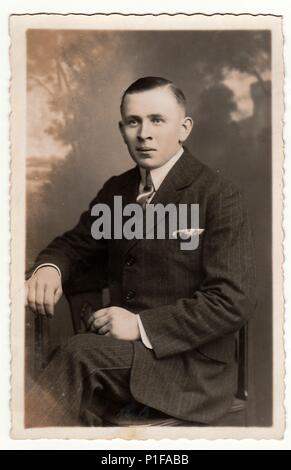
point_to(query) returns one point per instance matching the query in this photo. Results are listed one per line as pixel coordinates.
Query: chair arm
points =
(82, 305)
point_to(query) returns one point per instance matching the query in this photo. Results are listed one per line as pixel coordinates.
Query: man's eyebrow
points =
(156, 115)
(139, 118)
(133, 116)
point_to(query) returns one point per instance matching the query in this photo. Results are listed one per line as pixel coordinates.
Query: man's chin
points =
(148, 163)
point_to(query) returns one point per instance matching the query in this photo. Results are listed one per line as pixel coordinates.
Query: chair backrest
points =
(242, 360)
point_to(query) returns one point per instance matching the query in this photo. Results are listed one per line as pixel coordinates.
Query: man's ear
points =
(186, 128)
(121, 129)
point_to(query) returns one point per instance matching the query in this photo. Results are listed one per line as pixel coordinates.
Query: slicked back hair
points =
(150, 83)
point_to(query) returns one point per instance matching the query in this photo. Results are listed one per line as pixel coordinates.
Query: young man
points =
(167, 339)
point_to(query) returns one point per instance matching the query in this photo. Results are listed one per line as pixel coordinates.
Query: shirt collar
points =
(159, 174)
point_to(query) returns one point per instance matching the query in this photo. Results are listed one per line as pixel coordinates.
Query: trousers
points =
(87, 374)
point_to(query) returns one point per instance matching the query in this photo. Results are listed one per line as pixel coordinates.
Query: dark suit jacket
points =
(191, 303)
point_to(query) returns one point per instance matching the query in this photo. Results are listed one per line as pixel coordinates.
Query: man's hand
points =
(115, 322)
(43, 290)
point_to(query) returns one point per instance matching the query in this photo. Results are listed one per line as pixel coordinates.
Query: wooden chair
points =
(134, 413)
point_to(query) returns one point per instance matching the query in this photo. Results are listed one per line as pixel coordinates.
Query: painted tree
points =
(81, 73)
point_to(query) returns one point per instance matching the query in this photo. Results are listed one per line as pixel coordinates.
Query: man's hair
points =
(149, 83)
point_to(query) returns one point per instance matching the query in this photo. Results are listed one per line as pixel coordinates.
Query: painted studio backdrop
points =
(74, 84)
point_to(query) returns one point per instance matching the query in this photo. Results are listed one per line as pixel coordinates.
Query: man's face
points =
(153, 126)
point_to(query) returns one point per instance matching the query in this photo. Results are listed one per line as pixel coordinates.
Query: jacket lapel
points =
(129, 190)
(179, 177)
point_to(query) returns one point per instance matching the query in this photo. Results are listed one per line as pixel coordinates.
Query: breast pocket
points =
(189, 246)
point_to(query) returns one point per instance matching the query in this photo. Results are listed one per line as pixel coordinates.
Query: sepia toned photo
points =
(146, 209)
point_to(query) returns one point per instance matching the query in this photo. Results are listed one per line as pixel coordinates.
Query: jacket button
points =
(130, 261)
(130, 295)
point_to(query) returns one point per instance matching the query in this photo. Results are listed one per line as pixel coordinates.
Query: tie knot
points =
(148, 181)
(148, 190)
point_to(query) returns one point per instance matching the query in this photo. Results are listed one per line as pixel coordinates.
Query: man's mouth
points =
(145, 149)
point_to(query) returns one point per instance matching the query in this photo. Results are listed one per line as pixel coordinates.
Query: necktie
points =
(147, 191)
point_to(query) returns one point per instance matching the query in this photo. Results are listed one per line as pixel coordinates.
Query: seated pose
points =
(167, 337)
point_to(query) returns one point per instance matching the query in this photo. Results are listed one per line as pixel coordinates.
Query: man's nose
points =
(144, 132)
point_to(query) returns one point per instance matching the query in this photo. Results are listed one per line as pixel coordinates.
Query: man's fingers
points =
(31, 297)
(26, 294)
(39, 298)
(100, 322)
(100, 317)
(43, 290)
(58, 294)
(49, 301)
(101, 313)
(105, 329)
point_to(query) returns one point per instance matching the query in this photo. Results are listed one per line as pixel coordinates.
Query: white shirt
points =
(158, 175)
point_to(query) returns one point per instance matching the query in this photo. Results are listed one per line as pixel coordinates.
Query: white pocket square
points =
(187, 232)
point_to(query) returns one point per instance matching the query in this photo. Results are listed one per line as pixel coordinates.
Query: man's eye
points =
(157, 120)
(132, 122)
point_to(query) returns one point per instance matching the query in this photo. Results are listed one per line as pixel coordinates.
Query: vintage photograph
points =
(146, 226)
